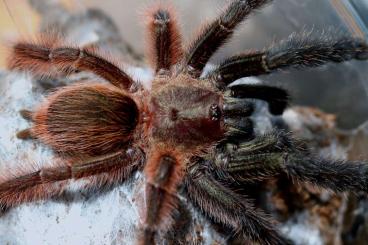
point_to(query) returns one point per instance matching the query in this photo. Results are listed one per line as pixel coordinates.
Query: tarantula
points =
(191, 130)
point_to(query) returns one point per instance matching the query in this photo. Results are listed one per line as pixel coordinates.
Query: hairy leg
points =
(216, 33)
(164, 40)
(163, 173)
(228, 208)
(253, 160)
(336, 175)
(43, 57)
(266, 156)
(24, 186)
(298, 51)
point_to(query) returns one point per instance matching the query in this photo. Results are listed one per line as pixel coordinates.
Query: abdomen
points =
(86, 119)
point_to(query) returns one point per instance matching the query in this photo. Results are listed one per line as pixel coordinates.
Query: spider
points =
(191, 132)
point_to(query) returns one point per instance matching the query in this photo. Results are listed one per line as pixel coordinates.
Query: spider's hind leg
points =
(228, 208)
(41, 183)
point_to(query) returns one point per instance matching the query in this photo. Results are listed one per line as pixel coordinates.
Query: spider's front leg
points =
(24, 186)
(266, 156)
(164, 171)
(298, 51)
(216, 33)
(228, 208)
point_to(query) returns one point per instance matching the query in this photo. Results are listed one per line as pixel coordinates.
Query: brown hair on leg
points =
(164, 39)
(25, 184)
(164, 171)
(50, 56)
(30, 183)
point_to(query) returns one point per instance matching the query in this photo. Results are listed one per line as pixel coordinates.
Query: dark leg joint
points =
(105, 163)
(55, 174)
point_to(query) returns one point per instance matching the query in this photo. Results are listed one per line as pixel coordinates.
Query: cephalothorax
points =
(178, 132)
(189, 115)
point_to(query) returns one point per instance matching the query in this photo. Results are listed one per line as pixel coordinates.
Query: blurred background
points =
(341, 89)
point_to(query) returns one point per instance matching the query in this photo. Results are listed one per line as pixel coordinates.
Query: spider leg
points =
(228, 208)
(336, 175)
(24, 186)
(42, 57)
(277, 98)
(239, 128)
(253, 160)
(266, 156)
(165, 48)
(298, 51)
(163, 173)
(216, 33)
